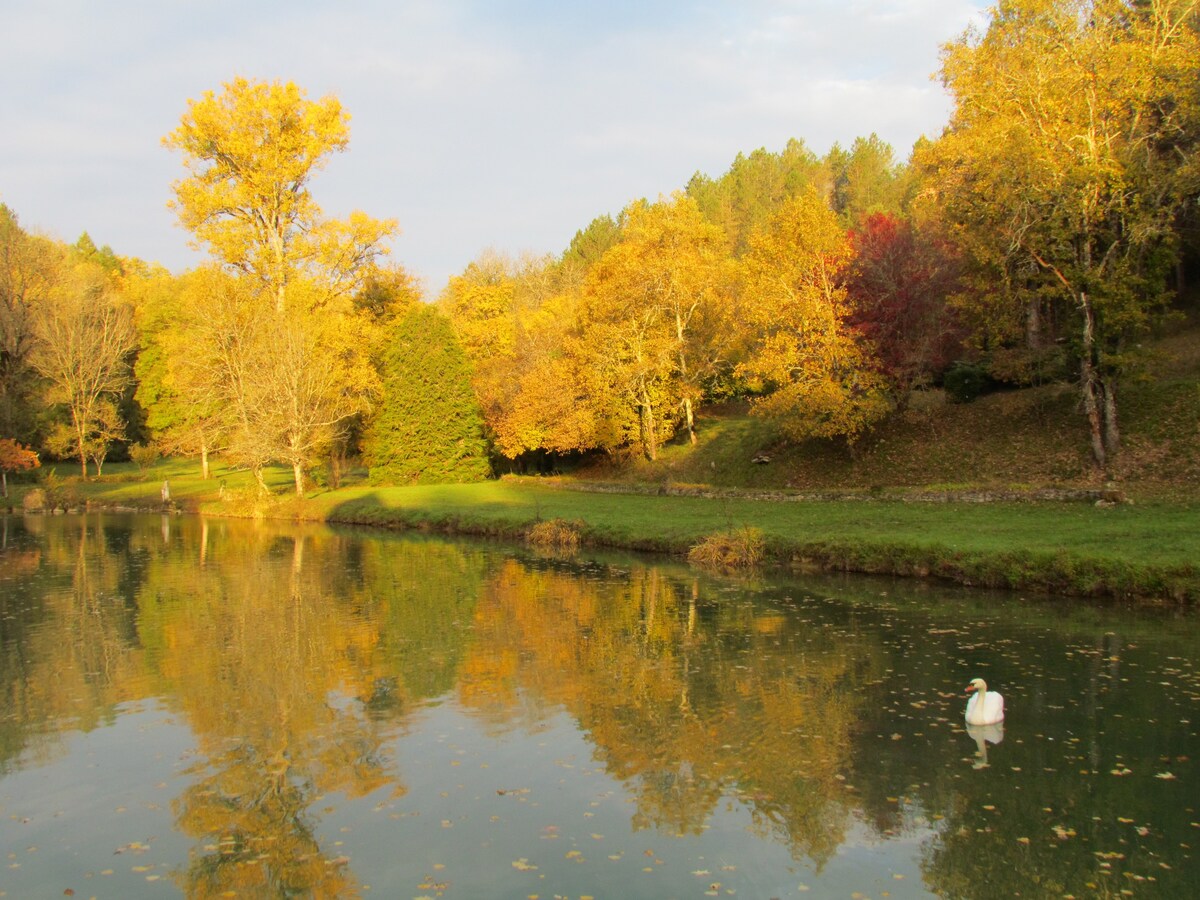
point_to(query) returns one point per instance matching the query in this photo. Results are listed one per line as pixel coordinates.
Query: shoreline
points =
(672, 531)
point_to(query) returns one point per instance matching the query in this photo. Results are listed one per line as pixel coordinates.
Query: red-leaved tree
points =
(15, 458)
(899, 283)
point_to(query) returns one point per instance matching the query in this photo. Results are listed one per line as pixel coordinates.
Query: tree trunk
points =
(649, 431)
(204, 461)
(260, 481)
(80, 442)
(4, 479)
(691, 423)
(1089, 382)
(1112, 431)
(298, 475)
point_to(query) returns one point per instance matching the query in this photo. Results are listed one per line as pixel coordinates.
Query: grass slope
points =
(1014, 439)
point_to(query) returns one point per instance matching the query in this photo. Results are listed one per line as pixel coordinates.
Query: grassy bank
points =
(1145, 551)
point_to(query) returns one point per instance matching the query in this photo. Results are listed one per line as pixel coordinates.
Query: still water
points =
(212, 708)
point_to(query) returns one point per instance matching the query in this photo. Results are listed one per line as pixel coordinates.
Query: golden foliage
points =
(250, 153)
(821, 379)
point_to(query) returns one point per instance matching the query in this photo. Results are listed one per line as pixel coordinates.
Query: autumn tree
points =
(85, 335)
(651, 325)
(900, 281)
(317, 377)
(183, 410)
(480, 305)
(299, 369)
(1070, 153)
(817, 377)
(250, 153)
(15, 458)
(514, 318)
(31, 268)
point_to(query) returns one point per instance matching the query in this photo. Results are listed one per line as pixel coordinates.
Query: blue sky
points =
(504, 125)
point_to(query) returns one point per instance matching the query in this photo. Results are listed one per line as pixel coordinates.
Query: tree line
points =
(1040, 237)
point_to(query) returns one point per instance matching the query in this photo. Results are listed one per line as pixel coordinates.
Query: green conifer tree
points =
(429, 428)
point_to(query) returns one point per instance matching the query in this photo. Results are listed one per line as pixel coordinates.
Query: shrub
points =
(143, 455)
(558, 534)
(743, 548)
(965, 381)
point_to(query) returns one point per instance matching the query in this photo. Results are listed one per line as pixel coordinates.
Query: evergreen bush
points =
(429, 427)
(965, 381)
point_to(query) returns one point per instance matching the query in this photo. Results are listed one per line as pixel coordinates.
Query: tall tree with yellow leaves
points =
(304, 369)
(818, 377)
(653, 317)
(250, 153)
(1074, 145)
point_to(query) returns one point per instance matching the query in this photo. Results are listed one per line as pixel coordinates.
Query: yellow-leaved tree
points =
(653, 321)
(303, 369)
(251, 152)
(1072, 151)
(819, 376)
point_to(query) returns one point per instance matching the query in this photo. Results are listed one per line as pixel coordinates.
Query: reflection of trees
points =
(1048, 817)
(286, 653)
(66, 631)
(687, 697)
(293, 653)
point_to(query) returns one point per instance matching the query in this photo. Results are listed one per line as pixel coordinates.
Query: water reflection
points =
(983, 735)
(301, 659)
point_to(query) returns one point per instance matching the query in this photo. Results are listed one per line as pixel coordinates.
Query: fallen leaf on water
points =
(523, 865)
(1165, 776)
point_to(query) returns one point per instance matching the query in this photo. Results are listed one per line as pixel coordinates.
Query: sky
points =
(478, 125)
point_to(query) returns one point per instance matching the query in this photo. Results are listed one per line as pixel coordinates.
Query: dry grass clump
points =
(740, 549)
(557, 534)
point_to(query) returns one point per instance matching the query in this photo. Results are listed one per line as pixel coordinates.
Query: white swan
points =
(985, 707)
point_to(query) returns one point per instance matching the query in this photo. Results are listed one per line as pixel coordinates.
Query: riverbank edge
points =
(1041, 572)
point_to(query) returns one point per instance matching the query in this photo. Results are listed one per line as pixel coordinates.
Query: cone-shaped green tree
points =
(429, 427)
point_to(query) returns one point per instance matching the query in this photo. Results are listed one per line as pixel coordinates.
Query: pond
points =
(208, 708)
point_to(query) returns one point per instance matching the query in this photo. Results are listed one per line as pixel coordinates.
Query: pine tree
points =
(429, 428)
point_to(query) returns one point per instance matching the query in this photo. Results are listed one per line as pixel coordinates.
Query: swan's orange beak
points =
(971, 689)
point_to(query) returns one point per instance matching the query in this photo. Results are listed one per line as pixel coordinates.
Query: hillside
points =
(1029, 438)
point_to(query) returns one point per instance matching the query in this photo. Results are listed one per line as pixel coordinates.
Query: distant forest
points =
(1052, 225)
